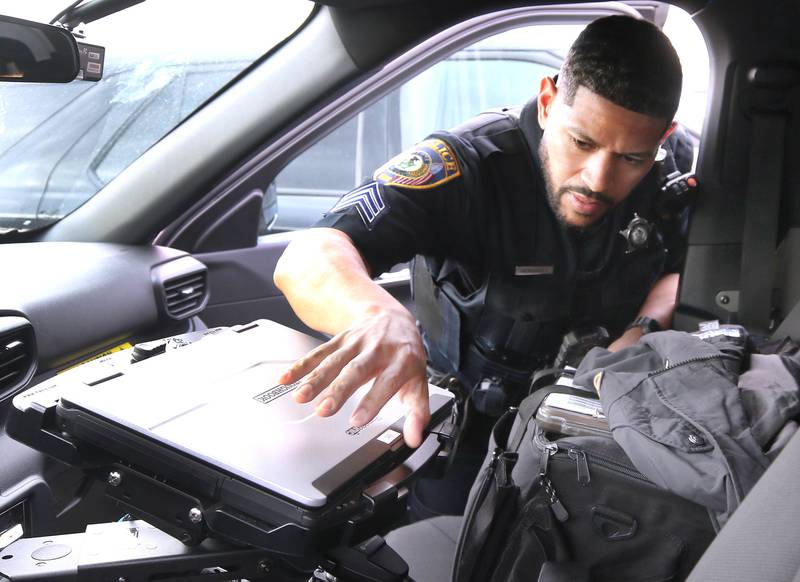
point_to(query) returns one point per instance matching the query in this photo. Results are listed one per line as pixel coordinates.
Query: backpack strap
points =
(493, 502)
(489, 507)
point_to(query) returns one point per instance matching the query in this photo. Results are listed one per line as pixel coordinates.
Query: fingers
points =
(418, 415)
(386, 347)
(333, 371)
(414, 394)
(320, 366)
(307, 363)
(413, 429)
(346, 380)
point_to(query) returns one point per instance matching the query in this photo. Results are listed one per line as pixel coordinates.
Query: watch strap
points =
(647, 324)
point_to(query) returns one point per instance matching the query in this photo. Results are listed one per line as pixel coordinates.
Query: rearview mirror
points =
(36, 53)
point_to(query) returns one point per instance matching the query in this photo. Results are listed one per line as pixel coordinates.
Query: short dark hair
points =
(628, 61)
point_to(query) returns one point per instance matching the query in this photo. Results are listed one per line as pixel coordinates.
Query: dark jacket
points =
(687, 416)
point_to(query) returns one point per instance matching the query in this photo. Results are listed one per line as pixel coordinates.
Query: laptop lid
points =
(218, 400)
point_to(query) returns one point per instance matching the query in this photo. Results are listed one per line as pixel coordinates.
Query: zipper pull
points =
(548, 449)
(579, 456)
(556, 506)
(543, 461)
(490, 468)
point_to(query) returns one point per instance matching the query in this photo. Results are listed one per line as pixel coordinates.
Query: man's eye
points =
(633, 160)
(581, 145)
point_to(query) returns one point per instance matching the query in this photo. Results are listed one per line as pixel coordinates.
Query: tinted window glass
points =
(503, 70)
(325, 168)
(457, 89)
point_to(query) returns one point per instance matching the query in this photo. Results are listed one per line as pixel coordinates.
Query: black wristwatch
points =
(647, 324)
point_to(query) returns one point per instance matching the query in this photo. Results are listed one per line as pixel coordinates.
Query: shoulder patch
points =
(427, 165)
(367, 200)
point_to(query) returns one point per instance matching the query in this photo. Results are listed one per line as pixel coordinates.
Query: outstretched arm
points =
(330, 288)
(659, 305)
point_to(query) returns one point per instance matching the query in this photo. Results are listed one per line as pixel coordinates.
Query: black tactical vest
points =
(500, 322)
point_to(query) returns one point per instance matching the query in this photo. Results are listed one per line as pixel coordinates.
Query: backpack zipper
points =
(549, 449)
(582, 458)
(469, 512)
(488, 475)
(579, 456)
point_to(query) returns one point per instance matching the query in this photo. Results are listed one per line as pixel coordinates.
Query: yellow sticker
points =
(108, 352)
(426, 165)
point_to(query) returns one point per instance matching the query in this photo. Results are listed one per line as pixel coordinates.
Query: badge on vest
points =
(426, 165)
(532, 270)
(637, 234)
(367, 201)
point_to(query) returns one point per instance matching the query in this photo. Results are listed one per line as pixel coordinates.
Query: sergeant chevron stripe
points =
(367, 200)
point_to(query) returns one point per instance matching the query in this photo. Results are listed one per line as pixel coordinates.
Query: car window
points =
(691, 48)
(59, 144)
(145, 119)
(502, 70)
(29, 109)
(465, 85)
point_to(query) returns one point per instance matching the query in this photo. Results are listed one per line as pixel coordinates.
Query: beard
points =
(555, 193)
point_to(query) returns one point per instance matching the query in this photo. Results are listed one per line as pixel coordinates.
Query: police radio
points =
(677, 192)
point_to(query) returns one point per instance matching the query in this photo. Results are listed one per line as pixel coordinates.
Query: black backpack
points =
(571, 509)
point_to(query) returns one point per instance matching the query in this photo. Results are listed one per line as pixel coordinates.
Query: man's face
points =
(593, 153)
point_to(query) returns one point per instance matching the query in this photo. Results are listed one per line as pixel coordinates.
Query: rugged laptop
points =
(204, 439)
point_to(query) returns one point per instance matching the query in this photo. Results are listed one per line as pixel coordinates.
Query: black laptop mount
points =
(194, 522)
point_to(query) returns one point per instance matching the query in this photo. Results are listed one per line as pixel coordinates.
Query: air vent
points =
(183, 287)
(185, 295)
(17, 352)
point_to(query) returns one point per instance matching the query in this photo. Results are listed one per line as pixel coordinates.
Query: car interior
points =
(186, 235)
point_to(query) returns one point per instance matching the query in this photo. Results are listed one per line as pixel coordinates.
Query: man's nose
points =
(598, 172)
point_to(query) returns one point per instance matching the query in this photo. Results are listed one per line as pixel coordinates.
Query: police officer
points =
(532, 221)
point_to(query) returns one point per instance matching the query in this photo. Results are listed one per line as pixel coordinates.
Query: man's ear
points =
(668, 132)
(547, 95)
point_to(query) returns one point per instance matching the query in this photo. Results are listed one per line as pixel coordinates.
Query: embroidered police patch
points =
(426, 165)
(367, 201)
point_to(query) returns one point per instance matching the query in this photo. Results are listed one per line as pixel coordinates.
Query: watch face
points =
(650, 325)
(647, 324)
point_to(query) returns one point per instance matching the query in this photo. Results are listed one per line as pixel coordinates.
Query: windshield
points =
(61, 143)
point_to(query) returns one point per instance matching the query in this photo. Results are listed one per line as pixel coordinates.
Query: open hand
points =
(384, 345)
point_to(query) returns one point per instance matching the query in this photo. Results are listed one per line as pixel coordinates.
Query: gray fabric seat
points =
(760, 540)
(428, 547)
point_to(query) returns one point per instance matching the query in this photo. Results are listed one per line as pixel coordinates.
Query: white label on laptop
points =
(276, 392)
(389, 436)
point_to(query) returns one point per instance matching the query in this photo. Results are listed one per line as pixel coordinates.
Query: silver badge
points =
(637, 234)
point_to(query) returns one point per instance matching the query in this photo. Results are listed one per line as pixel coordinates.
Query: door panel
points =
(242, 289)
